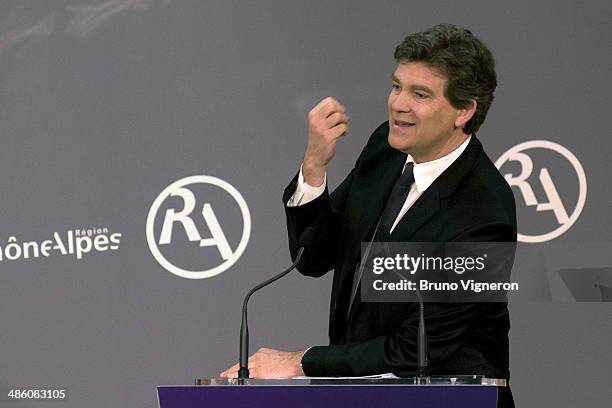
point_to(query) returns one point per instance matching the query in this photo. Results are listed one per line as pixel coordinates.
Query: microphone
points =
(306, 240)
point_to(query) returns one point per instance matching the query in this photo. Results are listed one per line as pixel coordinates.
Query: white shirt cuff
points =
(305, 193)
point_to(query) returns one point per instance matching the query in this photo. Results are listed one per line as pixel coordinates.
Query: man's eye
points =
(395, 87)
(420, 95)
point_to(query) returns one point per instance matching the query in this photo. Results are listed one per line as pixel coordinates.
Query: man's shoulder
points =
(377, 148)
(489, 179)
(487, 190)
(379, 137)
(378, 140)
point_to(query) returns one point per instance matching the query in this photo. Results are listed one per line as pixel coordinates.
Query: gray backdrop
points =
(103, 104)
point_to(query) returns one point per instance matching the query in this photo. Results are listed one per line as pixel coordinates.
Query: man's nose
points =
(401, 103)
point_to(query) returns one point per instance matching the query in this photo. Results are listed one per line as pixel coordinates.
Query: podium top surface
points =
(448, 380)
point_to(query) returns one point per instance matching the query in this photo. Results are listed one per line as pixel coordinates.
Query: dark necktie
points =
(396, 200)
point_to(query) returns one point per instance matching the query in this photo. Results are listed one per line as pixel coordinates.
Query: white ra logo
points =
(554, 204)
(185, 218)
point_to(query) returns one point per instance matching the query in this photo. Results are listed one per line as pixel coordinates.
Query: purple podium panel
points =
(303, 396)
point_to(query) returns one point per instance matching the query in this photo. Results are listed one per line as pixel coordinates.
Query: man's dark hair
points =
(465, 61)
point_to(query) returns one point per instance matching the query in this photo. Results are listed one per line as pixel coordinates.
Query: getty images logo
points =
(192, 222)
(528, 178)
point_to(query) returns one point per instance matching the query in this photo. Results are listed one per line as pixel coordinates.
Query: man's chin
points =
(398, 142)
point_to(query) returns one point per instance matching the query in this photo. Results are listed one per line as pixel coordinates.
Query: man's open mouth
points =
(402, 123)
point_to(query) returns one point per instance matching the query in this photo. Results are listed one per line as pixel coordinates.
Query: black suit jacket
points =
(470, 202)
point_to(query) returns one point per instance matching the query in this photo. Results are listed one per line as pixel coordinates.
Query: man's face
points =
(422, 122)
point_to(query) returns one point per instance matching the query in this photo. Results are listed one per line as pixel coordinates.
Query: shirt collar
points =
(426, 173)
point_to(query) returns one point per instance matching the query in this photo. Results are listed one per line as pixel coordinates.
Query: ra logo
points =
(530, 178)
(196, 223)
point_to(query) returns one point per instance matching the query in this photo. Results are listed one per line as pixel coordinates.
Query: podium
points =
(468, 391)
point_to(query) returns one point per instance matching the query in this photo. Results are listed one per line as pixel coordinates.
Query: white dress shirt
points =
(424, 175)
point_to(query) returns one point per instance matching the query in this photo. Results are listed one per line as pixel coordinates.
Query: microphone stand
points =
(422, 375)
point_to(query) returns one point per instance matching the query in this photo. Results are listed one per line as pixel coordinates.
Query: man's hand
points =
(327, 122)
(269, 363)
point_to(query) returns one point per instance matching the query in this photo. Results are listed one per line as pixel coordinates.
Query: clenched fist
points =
(327, 122)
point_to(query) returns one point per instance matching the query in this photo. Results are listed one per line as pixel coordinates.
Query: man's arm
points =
(327, 122)
(447, 325)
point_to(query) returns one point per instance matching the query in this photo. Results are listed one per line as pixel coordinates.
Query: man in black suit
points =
(442, 88)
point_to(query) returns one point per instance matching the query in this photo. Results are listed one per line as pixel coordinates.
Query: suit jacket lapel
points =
(423, 208)
(375, 192)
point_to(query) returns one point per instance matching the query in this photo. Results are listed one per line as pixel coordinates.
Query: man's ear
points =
(465, 114)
